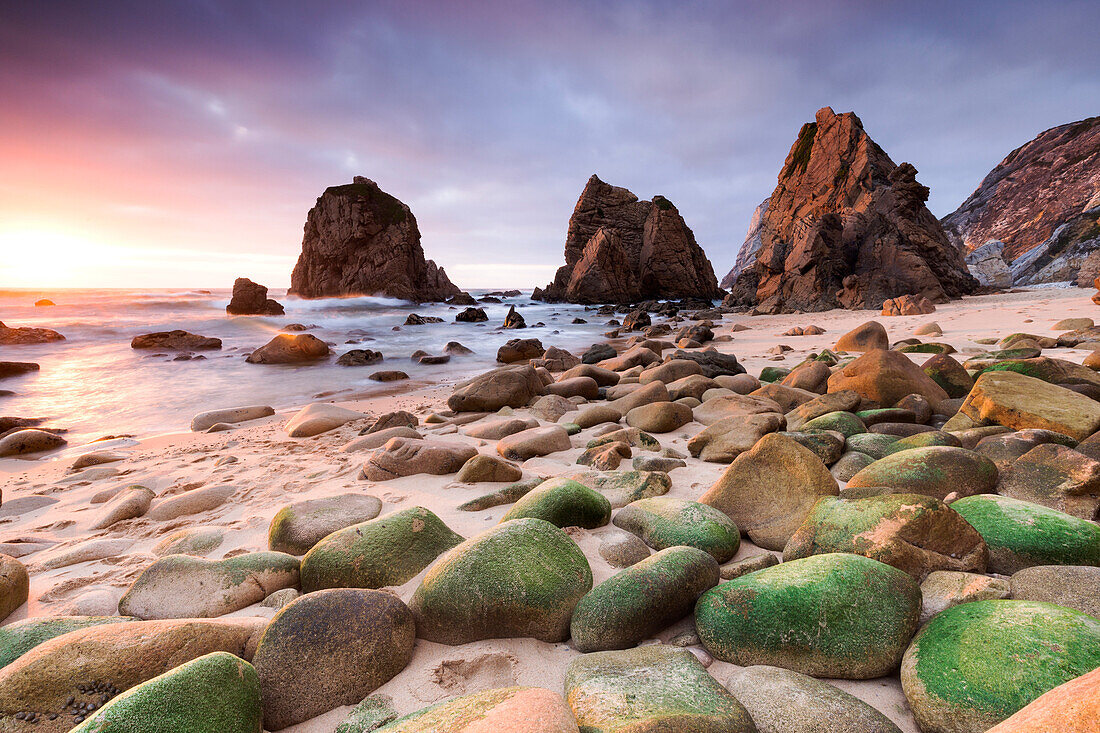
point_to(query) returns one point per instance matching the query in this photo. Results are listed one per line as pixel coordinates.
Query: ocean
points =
(93, 384)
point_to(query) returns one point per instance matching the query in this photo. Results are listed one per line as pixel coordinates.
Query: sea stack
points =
(847, 228)
(250, 299)
(360, 240)
(1043, 202)
(619, 249)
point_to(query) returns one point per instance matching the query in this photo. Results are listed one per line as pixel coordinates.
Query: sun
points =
(45, 258)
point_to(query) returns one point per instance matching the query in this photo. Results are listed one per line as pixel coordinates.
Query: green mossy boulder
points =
(564, 503)
(184, 586)
(522, 578)
(217, 692)
(842, 422)
(835, 615)
(20, 637)
(782, 701)
(774, 374)
(636, 603)
(1021, 534)
(976, 664)
(390, 550)
(911, 532)
(508, 710)
(926, 439)
(949, 374)
(651, 689)
(935, 471)
(330, 648)
(876, 445)
(665, 521)
(828, 446)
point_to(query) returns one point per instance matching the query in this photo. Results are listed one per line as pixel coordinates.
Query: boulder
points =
(1019, 402)
(495, 429)
(884, 377)
(835, 615)
(29, 440)
(934, 471)
(636, 603)
(513, 319)
(128, 503)
(250, 299)
(14, 585)
(389, 550)
(1001, 655)
(520, 350)
(733, 405)
(908, 305)
(659, 417)
(621, 550)
(205, 420)
(175, 341)
(619, 249)
(949, 374)
(472, 315)
(534, 442)
(286, 348)
(623, 487)
(352, 640)
(1020, 534)
(123, 654)
(16, 368)
(782, 701)
(723, 441)
(1071, 707)
(370, 441)
(320, 417)
(299, 526)
(562, 502)
(509, 710)
(663, 522)
(914, 533)
(522, 578)
(557, 360)
(182, 586)
(488, 468)
(944, 589)
(1069, 586)
(768, 490)
(25, 335)
(505, 387)
(1057, 477)
(360, 240)
(18, 638)
(650, 689)
(194, 501)
(388, 375)
(846, 227)
(217, 691)
(606, 456)
(359, 357)
(409, 456)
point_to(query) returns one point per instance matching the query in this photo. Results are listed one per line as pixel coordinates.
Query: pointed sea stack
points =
(847, 228)
(622, 250)
(359, 240)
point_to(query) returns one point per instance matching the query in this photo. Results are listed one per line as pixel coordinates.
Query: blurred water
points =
(94, 384)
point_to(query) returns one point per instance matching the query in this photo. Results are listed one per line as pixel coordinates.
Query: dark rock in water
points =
(636, 320)
(287, 349)
(462, 298)
(24, 335)
(472, 315)
(454, 348)
(359, 240)
(296, 327)
(175, 341)
(753, 241)
(621, 250)
(490, 299)
(1032, 192)
(359, 357)
(434, 359)
(514, 319)
(15, 368)
(415, 320)
(597, 353)
(43, 302)
(846, 227)
(388, 376)
(250, 299)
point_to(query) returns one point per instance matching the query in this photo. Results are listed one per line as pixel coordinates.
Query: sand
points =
(270, 470)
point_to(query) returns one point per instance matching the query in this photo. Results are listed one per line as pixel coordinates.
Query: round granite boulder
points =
(20, 637)
(1069, 586)
(15, 585)
(640, 601)
(298, 527)
(650, 689)
(976, 664)
(389, 550)
(216, 692)
(522, 578)
(835, 615)
(936, 471)
(1021, 534)
(665, 521)
(506, 710)
(564, 503)
(330, 648)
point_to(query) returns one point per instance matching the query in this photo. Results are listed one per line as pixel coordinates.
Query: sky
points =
(155, 144)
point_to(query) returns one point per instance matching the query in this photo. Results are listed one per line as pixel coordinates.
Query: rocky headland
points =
(846, 227)
(360, 240)
(619, 249)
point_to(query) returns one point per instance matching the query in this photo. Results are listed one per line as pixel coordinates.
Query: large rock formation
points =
(1071, 253)
(846, 227)
(359, 240)
(1037, 188)
(250, 299)
(621, 250)
(987, 264)
(754, 240)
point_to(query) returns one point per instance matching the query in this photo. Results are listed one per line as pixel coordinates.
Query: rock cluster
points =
(622, 250)
(360, 240)
(846, 227)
